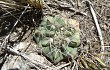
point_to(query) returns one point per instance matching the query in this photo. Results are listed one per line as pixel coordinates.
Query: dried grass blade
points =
(97, 25)
(99, 60)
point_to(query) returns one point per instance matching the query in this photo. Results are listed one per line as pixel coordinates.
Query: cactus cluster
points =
(57, 37)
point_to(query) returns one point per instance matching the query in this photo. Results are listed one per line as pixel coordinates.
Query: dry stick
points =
(97, 25)
(75, 65)
(72, 3)
(78, 11)
(62, 66)
(45, 4)
(10, 14)
(68, 8)
(11, 50)
(78, 3)
(6, 39)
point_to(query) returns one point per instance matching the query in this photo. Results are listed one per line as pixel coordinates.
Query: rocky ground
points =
(18, 22)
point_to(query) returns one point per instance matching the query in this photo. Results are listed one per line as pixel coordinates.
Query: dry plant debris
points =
(19, 19)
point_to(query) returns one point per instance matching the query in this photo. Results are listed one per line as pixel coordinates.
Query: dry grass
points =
(27, 18)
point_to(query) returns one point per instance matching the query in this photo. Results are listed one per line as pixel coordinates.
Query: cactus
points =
(58, 37)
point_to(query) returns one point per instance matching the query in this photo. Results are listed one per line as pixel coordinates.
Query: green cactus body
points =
(54, 35)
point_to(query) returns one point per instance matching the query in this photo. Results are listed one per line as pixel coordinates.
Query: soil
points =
(19, 24)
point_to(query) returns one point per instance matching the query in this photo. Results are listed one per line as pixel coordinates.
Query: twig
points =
(8, 12)
(62, 66)
(68, 8)
(7, 37)
(97, 24)
(47, 6)
(75, 65)
(78, 11)
(15, 52)
(72, 3)
(78, 3)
